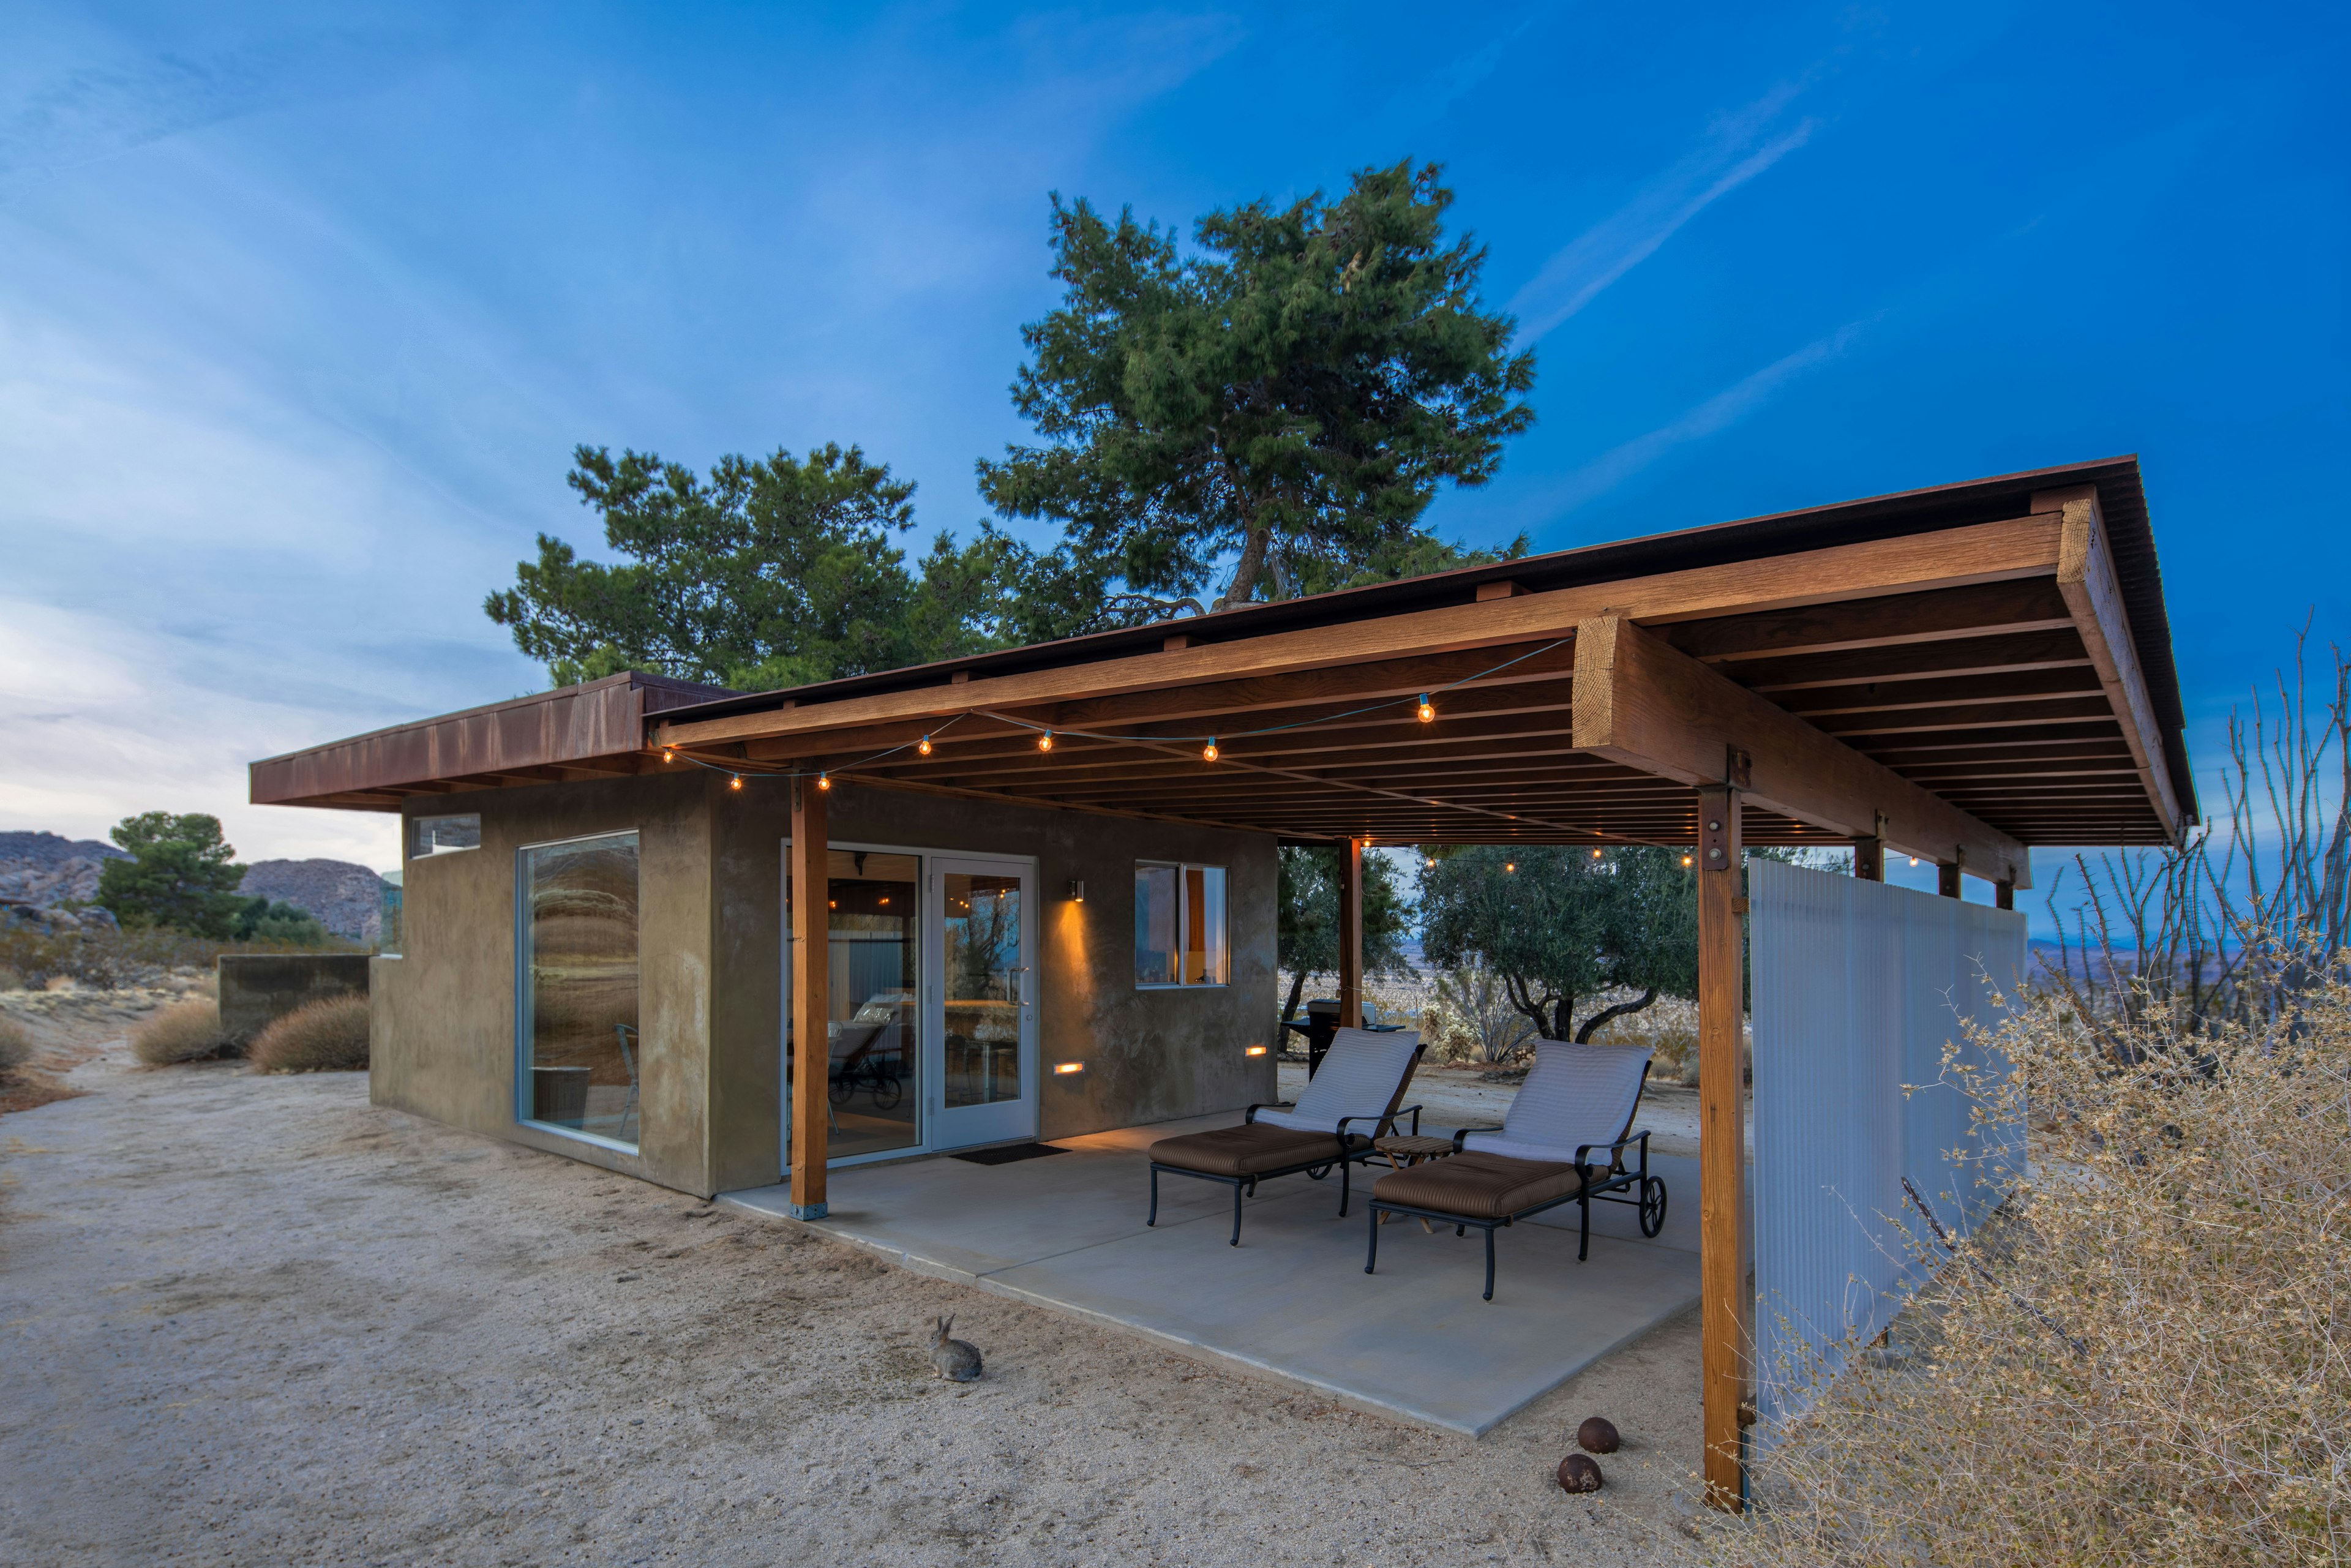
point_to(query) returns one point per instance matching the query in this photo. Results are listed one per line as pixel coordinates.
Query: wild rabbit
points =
(957, 1362)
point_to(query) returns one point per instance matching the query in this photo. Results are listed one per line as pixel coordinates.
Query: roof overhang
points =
(1983, 666)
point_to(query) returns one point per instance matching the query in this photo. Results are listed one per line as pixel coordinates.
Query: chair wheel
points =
(1653, 1207)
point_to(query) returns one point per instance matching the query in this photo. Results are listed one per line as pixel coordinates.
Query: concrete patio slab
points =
(1292, 1301)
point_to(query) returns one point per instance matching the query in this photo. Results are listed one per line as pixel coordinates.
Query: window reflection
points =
(578, 1007)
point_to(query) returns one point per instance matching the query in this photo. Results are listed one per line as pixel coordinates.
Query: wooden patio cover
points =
(1961, 673)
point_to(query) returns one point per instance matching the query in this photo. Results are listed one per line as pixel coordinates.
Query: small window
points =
(1179, 925)
(440, 835)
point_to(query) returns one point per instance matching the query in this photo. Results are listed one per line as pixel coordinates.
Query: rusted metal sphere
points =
(1577, 1472)
(1597, 1436)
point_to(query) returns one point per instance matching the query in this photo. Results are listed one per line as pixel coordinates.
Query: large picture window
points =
(1179, 925)
(579, 1051)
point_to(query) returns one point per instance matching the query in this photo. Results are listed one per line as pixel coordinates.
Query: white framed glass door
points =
(981, 1042)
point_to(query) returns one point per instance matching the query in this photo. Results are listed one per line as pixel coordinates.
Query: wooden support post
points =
(1351, 934)
(1722, 1141)
(811, 1006)
(1947, 879)
(1869, 853)
(2003, 893)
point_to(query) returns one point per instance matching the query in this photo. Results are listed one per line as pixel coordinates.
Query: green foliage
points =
(1306, 923)
(1564, 928)
(764, 574)
(183, 874)
(261, 921)
(1294, 394)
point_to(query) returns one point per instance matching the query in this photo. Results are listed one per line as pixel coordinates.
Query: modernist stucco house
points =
(1049, 873)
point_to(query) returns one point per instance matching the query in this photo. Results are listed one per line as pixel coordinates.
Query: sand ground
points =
(249, 1320)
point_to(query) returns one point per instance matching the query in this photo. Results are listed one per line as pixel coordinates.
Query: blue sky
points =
(302, 309)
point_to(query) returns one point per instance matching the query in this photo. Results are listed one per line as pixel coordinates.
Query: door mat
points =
(1009, 1153)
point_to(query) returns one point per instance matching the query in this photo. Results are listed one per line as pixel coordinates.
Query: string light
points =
(736, 782)
(1686, 862)
(1509, 865)
(1208, 752)
(1045, 741)
(668, 754)
(824, 781)
(1596, 851)
(923, 746)
(1432, 862)
(1428, 712)
(1913, 860)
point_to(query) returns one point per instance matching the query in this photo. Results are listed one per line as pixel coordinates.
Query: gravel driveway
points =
(249, 1320)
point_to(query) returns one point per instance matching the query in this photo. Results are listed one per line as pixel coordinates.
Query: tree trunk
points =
(1584, 1035)
(1252, 561)
(1297, 987)
(1565, 1014)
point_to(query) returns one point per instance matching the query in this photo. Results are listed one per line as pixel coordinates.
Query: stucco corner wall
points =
(442, 1028)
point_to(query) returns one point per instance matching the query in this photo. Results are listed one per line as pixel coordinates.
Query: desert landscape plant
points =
(325, 1036)
(16, 1046)
(2146, 1356)
(184, 1032)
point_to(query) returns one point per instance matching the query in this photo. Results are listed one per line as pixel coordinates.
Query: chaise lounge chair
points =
(1563, 1141)
(1354, 1098)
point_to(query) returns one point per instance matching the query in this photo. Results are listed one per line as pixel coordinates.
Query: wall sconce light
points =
(1254, 1050)
(1077, 890)
(1062, 1068)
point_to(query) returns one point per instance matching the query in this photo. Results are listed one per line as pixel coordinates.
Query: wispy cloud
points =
(1736, 149)
(1430, 95)
(1717, 412)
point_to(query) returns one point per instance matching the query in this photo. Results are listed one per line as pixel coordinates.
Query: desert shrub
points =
(2146, 1356)
(327, 1036)
(184, 1032)
(16, 1046)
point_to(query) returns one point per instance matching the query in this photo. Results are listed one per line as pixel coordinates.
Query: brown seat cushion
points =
(1249, 1150)
(1477, 1185)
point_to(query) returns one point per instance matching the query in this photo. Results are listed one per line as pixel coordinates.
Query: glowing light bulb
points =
(736, 782)
(1596, 851)
(1685, 861)
(1913, 860)
(1511, 866)
(1426, 711)
(824, 781)
(1432, 862)
(1208, 752)
(1045, 741)
(668, 754)
(923, 746)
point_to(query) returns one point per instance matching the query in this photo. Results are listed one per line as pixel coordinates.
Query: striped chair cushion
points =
(1576, 1094)
(1360, 1076)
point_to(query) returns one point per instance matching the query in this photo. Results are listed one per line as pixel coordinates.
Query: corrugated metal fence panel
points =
(1857, 988)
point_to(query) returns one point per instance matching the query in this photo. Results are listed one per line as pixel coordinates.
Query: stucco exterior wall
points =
(442, 1041)
(711, 871)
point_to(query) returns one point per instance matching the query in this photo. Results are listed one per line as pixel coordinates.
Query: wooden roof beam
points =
(2086, 576)
(1642, 702)
(1984, 552)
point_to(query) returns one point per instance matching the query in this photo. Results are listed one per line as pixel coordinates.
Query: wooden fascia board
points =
(1984, 552)
(1641, 702)
(2086, 575)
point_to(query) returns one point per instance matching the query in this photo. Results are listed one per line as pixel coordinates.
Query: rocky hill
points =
(44, 869)
(347, 899)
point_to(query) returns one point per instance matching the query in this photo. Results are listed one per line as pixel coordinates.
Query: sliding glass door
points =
(931, 1041)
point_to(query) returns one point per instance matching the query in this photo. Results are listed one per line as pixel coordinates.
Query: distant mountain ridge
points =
(45, 869)
(46, 852)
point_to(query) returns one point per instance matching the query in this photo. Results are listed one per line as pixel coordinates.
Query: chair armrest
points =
(1250, 1115)
(1387, 1120)
(1461, 1133)
(1637, 1136)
